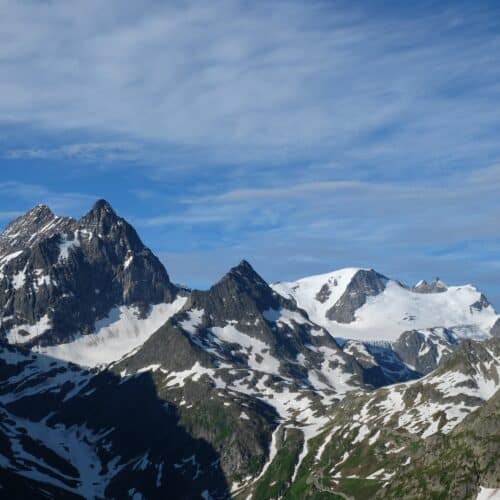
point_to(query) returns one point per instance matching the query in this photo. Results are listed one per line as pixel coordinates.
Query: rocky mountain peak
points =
(435, 286)
(76, 273)
(438, 285)
(37, 223)
(244, 280)
(244, 272)
(241, 291)
(101, 216)
(40, 211)
(105, 222)
(33, 219)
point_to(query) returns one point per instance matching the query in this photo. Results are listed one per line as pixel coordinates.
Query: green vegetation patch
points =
(276, 480)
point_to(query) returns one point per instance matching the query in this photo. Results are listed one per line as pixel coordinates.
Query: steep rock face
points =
(364, 284)
(71, 273)
(382, 362)
(36, 224)
(424, 349)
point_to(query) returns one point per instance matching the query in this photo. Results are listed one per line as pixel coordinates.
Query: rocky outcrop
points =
(436, 286)
(423, 350)
(364, 284)
(381, 364)
(36, 224)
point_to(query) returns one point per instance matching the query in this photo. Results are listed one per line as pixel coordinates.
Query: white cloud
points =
(252, 83)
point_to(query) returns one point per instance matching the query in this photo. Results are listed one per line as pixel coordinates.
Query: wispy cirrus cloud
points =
(275, 80)
(88, 152)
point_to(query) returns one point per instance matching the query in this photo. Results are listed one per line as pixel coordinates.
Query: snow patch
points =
(488, 494)
(23, 333)
(66, 245)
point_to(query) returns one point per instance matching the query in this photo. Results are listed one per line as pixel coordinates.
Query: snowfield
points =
(395, 310)
(117, 335)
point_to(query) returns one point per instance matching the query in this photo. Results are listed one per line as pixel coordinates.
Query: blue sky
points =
(303, 136)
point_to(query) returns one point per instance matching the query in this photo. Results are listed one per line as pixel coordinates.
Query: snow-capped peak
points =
(361, 304)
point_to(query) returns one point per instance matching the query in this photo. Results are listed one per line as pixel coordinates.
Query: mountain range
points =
(118, 383)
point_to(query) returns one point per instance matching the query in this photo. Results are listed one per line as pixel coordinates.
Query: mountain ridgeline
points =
(116, 383)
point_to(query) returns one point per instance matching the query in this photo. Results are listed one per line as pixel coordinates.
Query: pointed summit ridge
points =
(244, 279)
(102, 205)
(99, 211)
(246, 271)
(34, 218)
(36, 224)
(102, 219)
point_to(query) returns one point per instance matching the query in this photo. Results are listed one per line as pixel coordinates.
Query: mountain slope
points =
(401, 441)
(457, 465)
(88, 434)
(244, 340)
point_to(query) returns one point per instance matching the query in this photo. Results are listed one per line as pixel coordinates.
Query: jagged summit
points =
(34, 218)
(436, 286)
(244, 272)
(37, 223)
(101, 217)
(102, 204)
(100, 209)
(240, 290)
(40, 210)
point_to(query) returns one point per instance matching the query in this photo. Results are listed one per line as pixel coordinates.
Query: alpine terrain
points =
(117, 383)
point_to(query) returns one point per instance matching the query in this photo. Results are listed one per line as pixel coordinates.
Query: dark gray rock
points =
(480, 304)
(364, 284)
(36, 224)
(382, 365)
(324, 293)
(424, 350)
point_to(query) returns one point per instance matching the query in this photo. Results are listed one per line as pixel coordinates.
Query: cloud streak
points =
(243, 84)
(87, 152)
